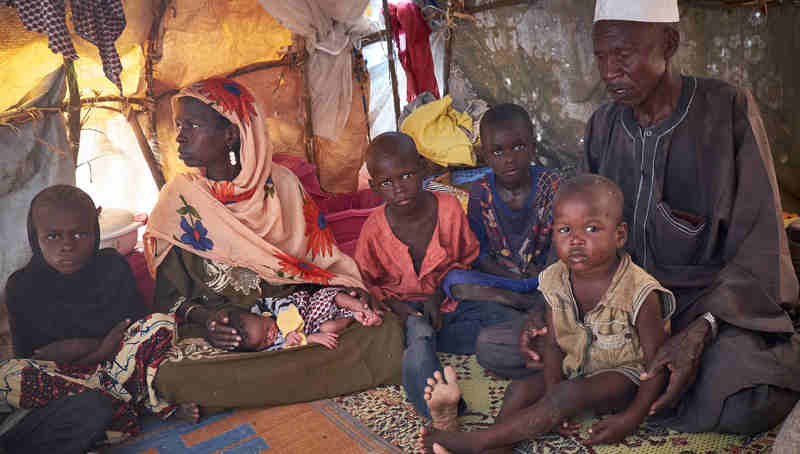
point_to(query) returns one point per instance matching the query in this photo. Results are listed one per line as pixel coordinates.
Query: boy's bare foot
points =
(442, 396)
(440, 441)
(188, 412)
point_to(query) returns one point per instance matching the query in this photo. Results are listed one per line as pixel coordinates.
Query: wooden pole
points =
(309, 123)
(153, 54)
(495, 4)
(390, 56)
(73, 110)
(448, 58)
(147, 152)
(290, 59)
(32, 113)
(294, 58)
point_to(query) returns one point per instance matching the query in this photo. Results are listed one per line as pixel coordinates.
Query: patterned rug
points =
(289, 429)
(385, 412)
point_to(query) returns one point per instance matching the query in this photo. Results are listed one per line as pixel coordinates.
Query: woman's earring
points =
(231, 155)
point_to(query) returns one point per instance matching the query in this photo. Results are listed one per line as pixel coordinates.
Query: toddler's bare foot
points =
(444, 442)
(188, 412)
(442, 396)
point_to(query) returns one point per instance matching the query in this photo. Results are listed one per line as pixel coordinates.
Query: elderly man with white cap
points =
(693, 160)
(701, 200)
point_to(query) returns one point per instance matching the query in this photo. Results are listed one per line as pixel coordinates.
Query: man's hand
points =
(534, 327)
(219, 333)
(681, 355)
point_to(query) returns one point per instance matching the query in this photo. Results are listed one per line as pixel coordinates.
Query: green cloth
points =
(364, 358)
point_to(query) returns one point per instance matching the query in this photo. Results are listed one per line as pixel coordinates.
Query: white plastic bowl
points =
(118, 229)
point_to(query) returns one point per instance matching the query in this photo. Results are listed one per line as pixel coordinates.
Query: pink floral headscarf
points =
(261, 220)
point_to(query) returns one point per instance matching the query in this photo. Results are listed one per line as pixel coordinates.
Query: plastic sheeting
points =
(280, 91)
(213, 37)
(198, 39)
(381, 103)
(41, 158)
(26, 57)
(329, 27)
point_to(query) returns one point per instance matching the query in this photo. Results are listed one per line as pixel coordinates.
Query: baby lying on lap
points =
(275, 323)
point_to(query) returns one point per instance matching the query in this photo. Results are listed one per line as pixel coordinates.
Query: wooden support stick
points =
(288, 60)
(373, 38)
(448, 60)
(25, 115)
(390, 56)
(153, 54)
(32, 113)
(122, 99)
(309, 123)
(147, 152)
(291, 58)
(73, 110)
(494, 5)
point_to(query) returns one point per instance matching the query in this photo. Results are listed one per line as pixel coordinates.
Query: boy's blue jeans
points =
(459, 332)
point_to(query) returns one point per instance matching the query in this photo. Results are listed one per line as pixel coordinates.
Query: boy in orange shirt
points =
(405, 249)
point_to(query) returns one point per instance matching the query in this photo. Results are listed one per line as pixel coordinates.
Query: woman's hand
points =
(218, 331)
(329, 340)
(293, 339)
(680, 354)
(534, 327)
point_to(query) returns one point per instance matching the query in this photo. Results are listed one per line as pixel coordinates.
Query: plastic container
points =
(119, 229)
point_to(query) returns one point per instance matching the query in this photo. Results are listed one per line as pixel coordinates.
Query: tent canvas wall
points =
(533, 52)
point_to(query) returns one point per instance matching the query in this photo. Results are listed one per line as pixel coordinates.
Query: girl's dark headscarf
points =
(61, 196)
(46, 306)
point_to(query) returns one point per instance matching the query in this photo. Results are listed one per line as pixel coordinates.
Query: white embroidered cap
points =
(637, 10)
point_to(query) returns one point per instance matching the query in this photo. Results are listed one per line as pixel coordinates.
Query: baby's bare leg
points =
(335, 326)
(568, 398)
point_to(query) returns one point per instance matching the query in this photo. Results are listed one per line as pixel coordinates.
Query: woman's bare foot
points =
(442, 396)
(188, 412)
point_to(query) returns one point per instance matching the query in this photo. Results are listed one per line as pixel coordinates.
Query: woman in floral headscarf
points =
(240, 230)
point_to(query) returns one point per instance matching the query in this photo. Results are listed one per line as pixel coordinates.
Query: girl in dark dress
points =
(70, 311)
